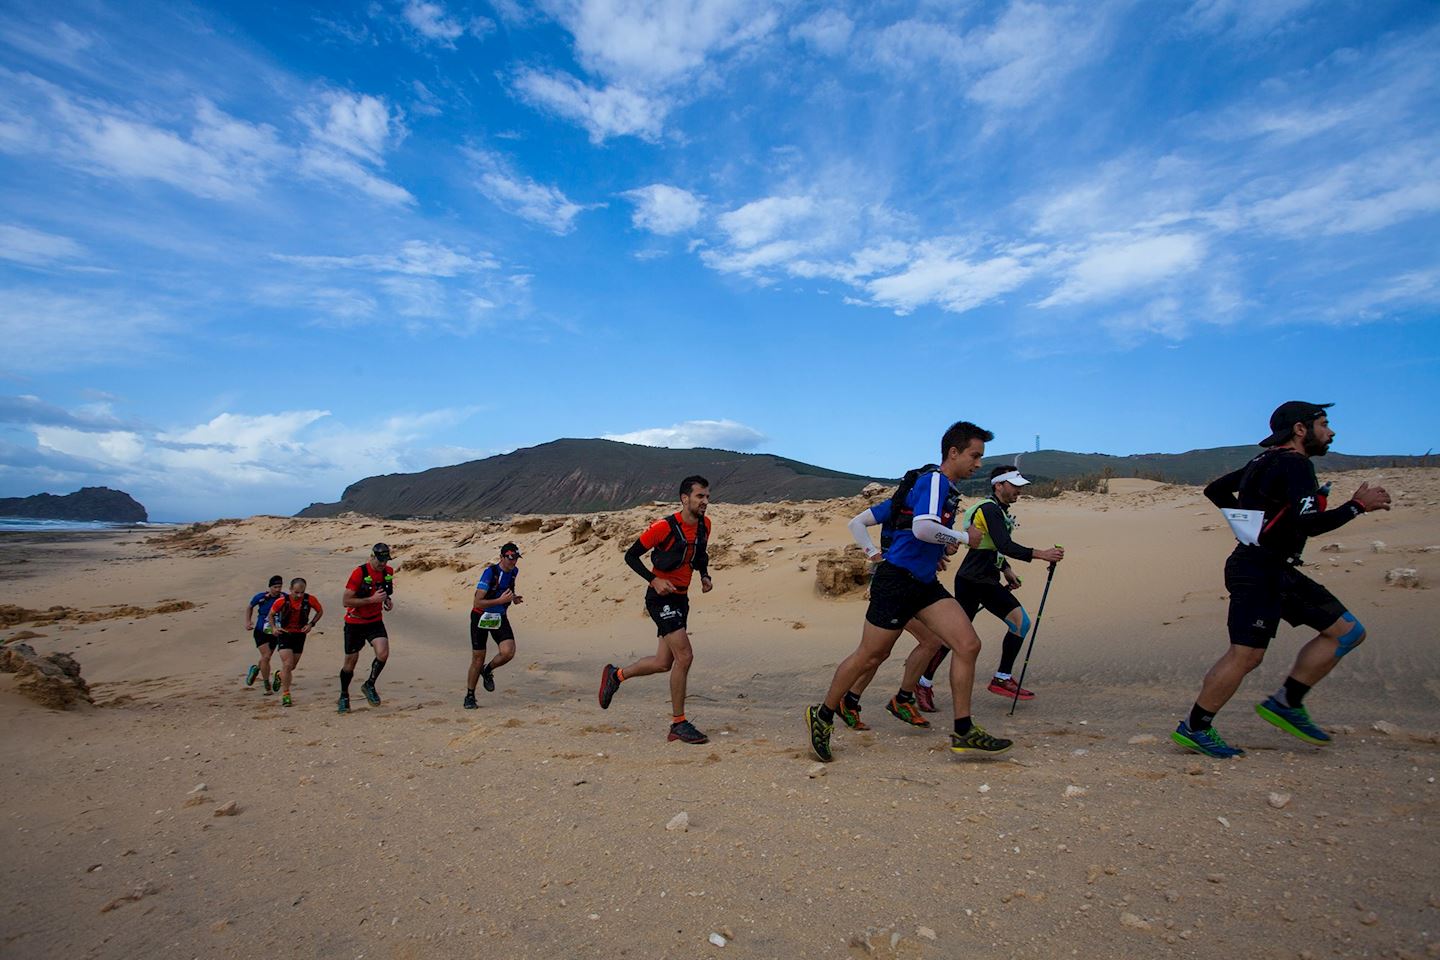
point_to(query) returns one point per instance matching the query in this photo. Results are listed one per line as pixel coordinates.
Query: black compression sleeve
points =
(1314, 524)
(1222, 492)
(1000, 533)
(632, 557)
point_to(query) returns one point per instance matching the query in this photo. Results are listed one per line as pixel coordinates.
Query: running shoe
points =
(470, 703)
(819, 734)
(1293, 720)
(343, 704)
(285, 700)
(371, 694)
(925, 699)
(1007, 688)
(978, 741)
(268, 691)
(685, 730)
(1208, 742)
(852, 717)
(609, 683)
(487, 676)
(275, 681)
(252, 674)
(906, 712)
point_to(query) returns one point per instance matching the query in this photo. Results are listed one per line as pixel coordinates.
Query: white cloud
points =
(763, 220)
(517, 194)
(358, 124)
(329, 166)
(65, 330)
(1376, 191)
(35, 248)
(415, 257)
(1246, 19)
(611, 111)
(828, 32)
(1113, 267)
(644, 53)
(938, 274)
(432, 22)
(723, 434)
(663, 209)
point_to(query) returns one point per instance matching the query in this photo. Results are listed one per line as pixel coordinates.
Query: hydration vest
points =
(367, 583)
(493, 590)
(284, 604)
(902, 517)
(676, 551)
(986, 541)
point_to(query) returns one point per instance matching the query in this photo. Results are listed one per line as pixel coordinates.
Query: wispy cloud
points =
(722, 434)
(517, 194)
(663, 209)
(35, 248)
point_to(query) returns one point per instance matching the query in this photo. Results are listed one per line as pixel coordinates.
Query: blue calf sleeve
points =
(1351, 638)
(1024, 629)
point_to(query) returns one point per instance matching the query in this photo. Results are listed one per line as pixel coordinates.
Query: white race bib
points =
(489, 621)
(1245, 524)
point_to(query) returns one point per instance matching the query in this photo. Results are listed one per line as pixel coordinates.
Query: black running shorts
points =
(294, 642)
(670, 612)
(896, 595)
(359, 634)
(994, 597)
(1265, 590)
(262, 638)
(478, 634)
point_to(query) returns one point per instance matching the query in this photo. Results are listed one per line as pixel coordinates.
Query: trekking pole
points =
(1033, 631)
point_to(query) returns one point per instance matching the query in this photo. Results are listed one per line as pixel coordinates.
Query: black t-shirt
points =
(1282, 483)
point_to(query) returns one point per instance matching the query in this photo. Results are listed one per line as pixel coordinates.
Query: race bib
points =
(489, 621)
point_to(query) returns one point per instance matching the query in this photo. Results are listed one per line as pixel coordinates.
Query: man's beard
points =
(1314, 447)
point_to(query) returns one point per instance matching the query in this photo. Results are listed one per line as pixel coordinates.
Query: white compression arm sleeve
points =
(861, 535)
(933, 531)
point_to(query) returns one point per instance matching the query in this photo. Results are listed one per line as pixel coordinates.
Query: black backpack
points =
(670, 555)
(901, 516)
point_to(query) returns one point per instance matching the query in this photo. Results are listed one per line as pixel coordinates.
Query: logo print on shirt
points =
(1307, 505)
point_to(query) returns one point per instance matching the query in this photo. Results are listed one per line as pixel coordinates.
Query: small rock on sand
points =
(1278, 800)
(199, 788)
(718, 940)
(816, 770)
(925, 933)
(1378, 546)
(1134, 922)
(1385, 727)
(1332, 548)
(1141, 738)
(1403, 577)
(1073, 791)
(681, 822)
(227, 809)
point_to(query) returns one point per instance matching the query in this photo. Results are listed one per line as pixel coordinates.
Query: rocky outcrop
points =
(840, 573)
(52, 681)
(87, 503)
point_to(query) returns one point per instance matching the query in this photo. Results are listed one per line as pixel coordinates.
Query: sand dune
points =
(536, 825)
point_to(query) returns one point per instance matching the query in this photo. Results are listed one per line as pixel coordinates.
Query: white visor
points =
(1012, 477)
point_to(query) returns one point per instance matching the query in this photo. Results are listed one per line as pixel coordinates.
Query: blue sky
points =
(252, 253)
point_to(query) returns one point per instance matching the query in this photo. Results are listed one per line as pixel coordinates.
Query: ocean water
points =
(32, 525)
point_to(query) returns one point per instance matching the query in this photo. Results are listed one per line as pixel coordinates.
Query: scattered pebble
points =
(1279, 800)
(1377, 546)
(1407, 577)
(1214, 878)
(228, 809)
(1370, 919)
(816, 770)
(681, 822)
(1141, 738)
(199, 788)
(1223, 822)
(1385, 727)
(984, 788)
(925, 933)
(1133, 921)
(1074, 791)
(718, 940)
(1332, 548)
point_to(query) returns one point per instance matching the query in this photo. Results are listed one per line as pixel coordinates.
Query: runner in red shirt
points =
(291, 619)
(368, 594)
(679, 544)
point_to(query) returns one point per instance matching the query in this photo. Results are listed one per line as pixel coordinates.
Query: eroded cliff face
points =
(87, 503)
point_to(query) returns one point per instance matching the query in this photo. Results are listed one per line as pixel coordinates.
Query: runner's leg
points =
(265, 650)
(947, 619)
(682, 656)
(477, 661)
(503, 655)
(287, 670)
(659, 663)
(1225, 677)
(875, 646)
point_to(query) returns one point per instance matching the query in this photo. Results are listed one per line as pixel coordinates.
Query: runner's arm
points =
(317, 608)
(1314, 521)
(931, 530)
(1222, 492)
(632, 557)
(1000, 534)
(861, 535)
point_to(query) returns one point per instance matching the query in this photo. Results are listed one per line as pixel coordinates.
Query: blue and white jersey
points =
(933, 497)
(494, 582)
(881, 512)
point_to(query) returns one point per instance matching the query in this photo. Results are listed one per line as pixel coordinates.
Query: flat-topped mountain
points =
(1192, 466)
(580, 476)
(87, 503)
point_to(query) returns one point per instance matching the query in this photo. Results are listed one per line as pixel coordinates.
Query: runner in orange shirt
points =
(678, 548)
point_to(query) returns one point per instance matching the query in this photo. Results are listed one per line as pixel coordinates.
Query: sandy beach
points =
(536, 826)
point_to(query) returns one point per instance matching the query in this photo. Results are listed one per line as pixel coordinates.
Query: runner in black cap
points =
(1274, 503)
(257, 624)
(368, 595)
(490, 617)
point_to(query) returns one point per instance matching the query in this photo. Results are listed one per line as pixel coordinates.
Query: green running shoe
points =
(371, 693)
(275, 681)
(285, 701)
(1208, 742)
(906, 712)
(819, 734)
(852, 717)
(343, 704)
(252, 674)
(1293, 720)
(978, 741)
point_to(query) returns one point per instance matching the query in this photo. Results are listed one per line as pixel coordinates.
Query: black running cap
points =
(510, 548)
(381, 550)
(277, 581)
(1289, 413)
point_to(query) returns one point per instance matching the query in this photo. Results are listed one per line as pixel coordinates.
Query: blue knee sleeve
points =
(1024, 628)
(1351, 638)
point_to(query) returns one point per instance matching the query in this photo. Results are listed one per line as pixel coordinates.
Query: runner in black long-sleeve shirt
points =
(1265, 586)
(977, 582)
